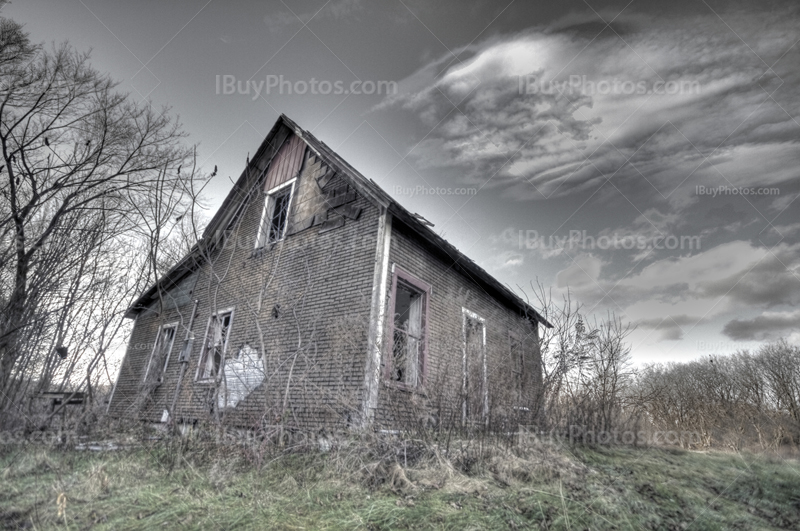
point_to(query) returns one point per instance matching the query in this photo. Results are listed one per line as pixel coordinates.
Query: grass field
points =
(602, 488)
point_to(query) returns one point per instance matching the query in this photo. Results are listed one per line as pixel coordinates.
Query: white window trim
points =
(155, 346)
(465, 314)
(199, 372)
(266, 213)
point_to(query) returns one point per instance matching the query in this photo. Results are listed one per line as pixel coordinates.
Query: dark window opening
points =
(159, 358)
(215, 345)
(280, 213)
(406, 363)
(276, 216)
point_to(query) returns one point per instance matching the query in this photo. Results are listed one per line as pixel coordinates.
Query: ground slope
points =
(565, 488)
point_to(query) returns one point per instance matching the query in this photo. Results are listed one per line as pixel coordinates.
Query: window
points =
(409, 303)
(517, 360)
(215, 345)
(159, 358)
(475, 384)
(276, 215)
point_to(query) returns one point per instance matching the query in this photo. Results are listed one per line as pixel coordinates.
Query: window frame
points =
(174, 326)
(469, 314)
(425, 289)
(265, 226)
(518, 360)
(518, 372)
(199, 374)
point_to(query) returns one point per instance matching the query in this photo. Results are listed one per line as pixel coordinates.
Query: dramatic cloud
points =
(658, 130)
(676, 295)
(669, 102)
(770, 281)
(769, 326)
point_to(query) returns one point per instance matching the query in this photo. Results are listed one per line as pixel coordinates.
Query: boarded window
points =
(215, 345)
(286, 164)
(475, 384)
(517, 354)
(406, 363)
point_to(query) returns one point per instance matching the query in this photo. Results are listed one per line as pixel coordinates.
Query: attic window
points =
(276, 215)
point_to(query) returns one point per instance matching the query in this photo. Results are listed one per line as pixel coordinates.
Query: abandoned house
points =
(314, 299)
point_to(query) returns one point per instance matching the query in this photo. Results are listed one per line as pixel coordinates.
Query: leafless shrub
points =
(586, 370)
(748, 399)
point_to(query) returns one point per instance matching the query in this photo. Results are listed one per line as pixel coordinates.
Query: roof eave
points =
(464, 261)
(143, 301)
(366, 187)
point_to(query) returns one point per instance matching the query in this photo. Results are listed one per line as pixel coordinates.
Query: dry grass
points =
(393, 485)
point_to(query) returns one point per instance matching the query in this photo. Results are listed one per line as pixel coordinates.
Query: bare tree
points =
(78, 160)
(747, 398)
(587, 374)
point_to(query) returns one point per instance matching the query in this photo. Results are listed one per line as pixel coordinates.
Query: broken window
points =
(475, 384)
(159, 357)
(406, 365)
(215, 345)
(276, 215)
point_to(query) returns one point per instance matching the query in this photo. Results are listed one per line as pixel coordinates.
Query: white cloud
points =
(583, 273)
(723, 280)
(562, 143)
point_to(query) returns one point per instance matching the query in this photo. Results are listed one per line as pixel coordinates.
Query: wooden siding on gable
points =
(286, 164)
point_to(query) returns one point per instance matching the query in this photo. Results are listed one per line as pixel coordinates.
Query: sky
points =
(644, 156)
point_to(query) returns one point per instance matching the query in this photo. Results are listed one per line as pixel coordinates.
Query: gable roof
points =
(235, 201)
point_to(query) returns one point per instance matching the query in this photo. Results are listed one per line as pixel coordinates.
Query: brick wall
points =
(303, 305)
(301, 311)
(440, 399)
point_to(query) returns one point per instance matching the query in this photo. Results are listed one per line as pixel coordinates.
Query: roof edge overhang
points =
(467, 266)
(370, 189)
(222, 218)
(227, 212)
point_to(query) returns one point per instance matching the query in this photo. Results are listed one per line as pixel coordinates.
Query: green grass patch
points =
(578, 488)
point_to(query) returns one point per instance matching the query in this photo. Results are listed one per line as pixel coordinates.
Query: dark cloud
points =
(673, 296)
(731, 123)
(767, 326)
(771, 281)
(671, 327)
